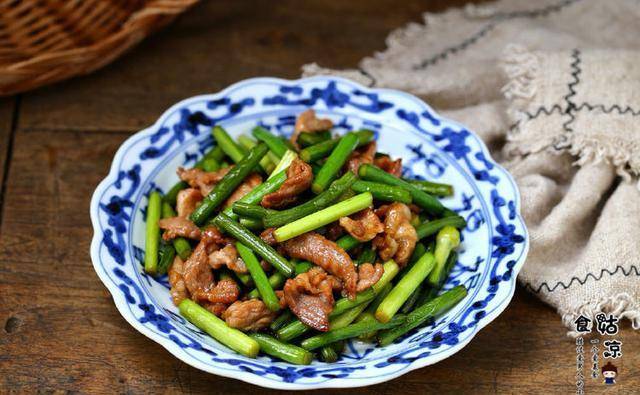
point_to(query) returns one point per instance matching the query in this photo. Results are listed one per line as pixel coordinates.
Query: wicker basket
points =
(43, 41)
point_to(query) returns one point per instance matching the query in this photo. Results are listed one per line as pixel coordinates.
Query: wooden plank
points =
(214, 45)
(7, 106)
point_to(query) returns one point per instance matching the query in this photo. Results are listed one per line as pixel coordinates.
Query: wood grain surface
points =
(60, 331)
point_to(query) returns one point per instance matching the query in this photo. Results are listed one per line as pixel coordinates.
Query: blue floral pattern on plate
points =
(494, 244)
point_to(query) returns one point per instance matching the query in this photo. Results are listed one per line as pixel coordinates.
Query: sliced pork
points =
(368, 274)
(363, 226)
(248, 315)
(310, 297)
(252, 181)
(364, 155)
(399, 238)
(308, 122)
(299, 179)
(179, 227)
(204, 181)
(326, 254)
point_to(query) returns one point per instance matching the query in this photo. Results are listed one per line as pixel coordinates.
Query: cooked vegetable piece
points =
(152, 239)
(218, 329)
(399, 294)
(447, 239)
(166, 253)
(230, 147)
(432, 227)
(287, 352)
(251, 223)
(284, 163)
(246, 280)
(412, 300)
(334, 163)
(350, 331)
(275, 144)
(228, 184)
(335, 190)
(267, 294)
(270, 185)
(282, 320)
(430, 292)
(266, 163)
(384, 192)
(306, 139)
(217, 153)
(323, 217)
(251, 210)
(432, 188)
(368, 314)
(422, 199)
(328, 354)
(347, 317)
(252, 241)
(429, 310)
(367, 256)
(210, 164)
(321, 150)
(181, 245)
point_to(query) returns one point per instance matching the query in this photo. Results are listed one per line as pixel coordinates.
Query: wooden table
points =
(60, 329)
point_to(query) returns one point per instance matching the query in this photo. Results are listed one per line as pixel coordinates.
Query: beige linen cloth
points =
(553, 87)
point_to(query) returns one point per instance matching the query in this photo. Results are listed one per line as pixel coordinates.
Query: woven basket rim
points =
(52, 66)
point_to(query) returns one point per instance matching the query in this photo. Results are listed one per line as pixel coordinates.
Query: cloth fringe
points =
(311, 69)
(521, 67)
(614, 151)
(621, 305)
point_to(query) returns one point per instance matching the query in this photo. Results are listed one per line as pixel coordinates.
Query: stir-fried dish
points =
(292, 247)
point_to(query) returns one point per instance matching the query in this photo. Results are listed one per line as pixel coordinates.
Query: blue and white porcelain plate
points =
(493, 250)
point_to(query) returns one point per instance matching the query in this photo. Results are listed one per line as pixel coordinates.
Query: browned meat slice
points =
(187, 200)
(299, 178)
(399, 238)
(212, 236)
(361, 156)
(308, 122)
(199, 280)
(248, 315)
(198, 276)
(227, 256)
(216, 308)
(310, 297)
(390, 166)
(368, 274)
(364, 225)
(247, 185)
(201, 179)
(268, 237)
(225, 291)
(179, 290)
(326, 254)
(334, 231)
(178, 227)
(280, 295)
